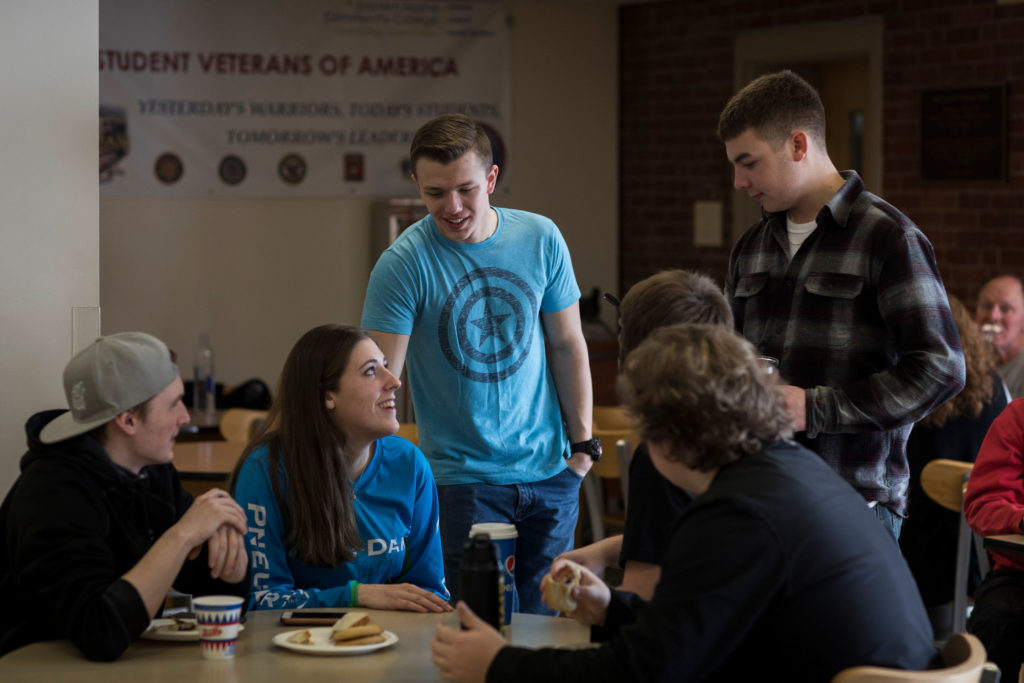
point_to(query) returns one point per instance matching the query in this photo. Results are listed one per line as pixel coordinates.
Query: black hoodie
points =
(73, 523)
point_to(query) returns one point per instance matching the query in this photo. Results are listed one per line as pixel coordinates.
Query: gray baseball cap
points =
(111, 375)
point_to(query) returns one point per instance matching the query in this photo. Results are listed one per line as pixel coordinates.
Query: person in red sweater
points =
(994, 504)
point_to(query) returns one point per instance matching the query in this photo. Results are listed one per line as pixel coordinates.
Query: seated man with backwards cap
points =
(97, 528)
(776, 570)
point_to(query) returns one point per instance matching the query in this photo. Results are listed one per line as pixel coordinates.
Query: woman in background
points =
(952, 431)
(340, 512)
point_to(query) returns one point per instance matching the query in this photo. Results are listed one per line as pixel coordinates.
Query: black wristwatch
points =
(591, 447)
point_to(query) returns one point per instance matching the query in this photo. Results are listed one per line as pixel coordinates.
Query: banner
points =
(261, 98)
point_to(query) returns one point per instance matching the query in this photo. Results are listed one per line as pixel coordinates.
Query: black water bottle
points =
(480, 581)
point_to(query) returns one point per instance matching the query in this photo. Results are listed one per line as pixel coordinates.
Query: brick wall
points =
(677, 73)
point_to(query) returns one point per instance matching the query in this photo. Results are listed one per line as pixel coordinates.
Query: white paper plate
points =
(322, 645)
(154, 632)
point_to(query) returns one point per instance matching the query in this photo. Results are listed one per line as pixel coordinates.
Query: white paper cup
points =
(217, 618)
(503, 536)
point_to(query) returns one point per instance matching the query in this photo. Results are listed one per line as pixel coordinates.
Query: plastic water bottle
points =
(480, 582)
(204, 393)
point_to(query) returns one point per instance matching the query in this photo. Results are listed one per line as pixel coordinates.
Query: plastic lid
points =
(498, 531)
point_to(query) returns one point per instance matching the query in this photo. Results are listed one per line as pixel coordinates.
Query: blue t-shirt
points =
(485, 400)
(396, 512)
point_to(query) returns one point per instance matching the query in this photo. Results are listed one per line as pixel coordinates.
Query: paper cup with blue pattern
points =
(217, 617)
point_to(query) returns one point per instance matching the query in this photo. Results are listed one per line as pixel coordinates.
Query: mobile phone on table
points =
(311, 617)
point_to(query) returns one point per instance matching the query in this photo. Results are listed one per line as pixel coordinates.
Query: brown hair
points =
(448, 138)
(701, 389)
(667, 298)
(980, 360)
(774, 105)
(300, 433)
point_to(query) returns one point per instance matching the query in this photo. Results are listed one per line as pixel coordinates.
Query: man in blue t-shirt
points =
(475, 295)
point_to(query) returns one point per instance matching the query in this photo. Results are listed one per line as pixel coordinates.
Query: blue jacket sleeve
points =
(273, 585)
(424, 563)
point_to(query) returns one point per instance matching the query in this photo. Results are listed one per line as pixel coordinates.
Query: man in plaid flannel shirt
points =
(842, 288)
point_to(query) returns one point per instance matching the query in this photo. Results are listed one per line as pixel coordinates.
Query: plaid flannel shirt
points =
(859, 318)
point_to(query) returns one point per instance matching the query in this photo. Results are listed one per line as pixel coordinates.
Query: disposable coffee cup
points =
(769, 364)
(503, 536)
(217, 618)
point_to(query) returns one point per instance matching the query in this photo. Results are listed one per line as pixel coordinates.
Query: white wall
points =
(565, 128)
(257, 274)
(49, 199)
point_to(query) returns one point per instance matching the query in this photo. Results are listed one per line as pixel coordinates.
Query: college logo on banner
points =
(486, 325)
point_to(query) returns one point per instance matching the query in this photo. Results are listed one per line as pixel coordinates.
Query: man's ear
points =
(492, 179)
(127, 422)
(798, 145)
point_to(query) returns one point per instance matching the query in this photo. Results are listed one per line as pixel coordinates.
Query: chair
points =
(409, 431)
(611, 417)
(963, 655)
(240, 424)
(612, 426)
(944, 482)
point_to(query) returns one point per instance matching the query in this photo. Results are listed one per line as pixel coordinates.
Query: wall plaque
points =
(963, 134)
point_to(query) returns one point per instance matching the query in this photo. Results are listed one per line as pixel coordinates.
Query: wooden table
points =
(203, 465)
(1011, 544)
(200, 428)
(258, 659)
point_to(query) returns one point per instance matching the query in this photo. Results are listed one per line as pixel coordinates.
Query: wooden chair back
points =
(618, 439)
(240, 424)
(611, 417)
(963, 657)
(944, 481)
(408, 430)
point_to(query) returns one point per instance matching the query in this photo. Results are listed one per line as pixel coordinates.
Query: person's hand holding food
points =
(576, 591)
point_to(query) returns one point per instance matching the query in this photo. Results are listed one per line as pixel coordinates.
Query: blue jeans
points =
(544, 513)
(890, 520)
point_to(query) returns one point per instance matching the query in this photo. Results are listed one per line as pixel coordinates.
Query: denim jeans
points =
(890, 520)
(544, 513)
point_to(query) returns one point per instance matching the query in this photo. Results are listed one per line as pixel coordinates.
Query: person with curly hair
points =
(953, 431)
(776, 570)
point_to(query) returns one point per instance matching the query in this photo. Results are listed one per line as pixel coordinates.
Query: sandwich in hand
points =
(557, 587)
(355, 629)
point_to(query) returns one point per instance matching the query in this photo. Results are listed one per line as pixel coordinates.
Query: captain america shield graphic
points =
(486, 325)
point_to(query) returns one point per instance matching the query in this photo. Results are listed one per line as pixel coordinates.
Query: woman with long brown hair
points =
(340, 511)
